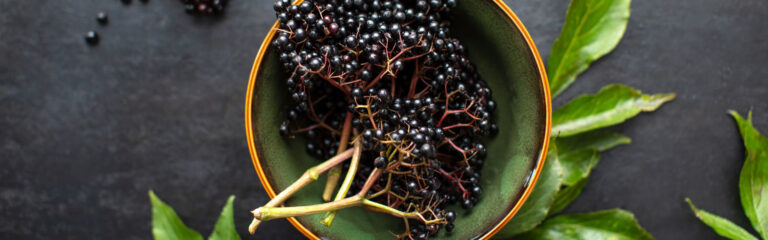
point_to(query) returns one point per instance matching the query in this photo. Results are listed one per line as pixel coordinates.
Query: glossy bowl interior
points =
(505, 57)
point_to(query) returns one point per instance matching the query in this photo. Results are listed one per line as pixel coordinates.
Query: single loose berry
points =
(102, 18)
(92, 38)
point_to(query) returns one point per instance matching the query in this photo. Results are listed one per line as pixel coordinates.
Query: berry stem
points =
(329, 216)
(268, 213)
(414, 80)
(386, 188)
(460, 125)
(375, 206)
(335, 172)
(376, 80)
(464, 191)
(308, 177)
(271, 212)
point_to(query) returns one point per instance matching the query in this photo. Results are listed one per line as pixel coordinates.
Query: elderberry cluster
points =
(416, 102)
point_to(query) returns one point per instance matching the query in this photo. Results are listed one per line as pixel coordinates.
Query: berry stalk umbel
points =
(335, 172)
(308, 177)
(351, 172)
(388, 78)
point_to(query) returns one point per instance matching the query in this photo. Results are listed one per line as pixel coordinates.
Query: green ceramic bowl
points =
(506, 58)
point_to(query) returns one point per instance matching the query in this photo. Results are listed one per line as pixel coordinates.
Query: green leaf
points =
(548, 197)
(225, 226)
(579, 154)
(599, 140)
(722, 226)
(612, 105)
(566, 195)
(592, 29)
(578, 165)
(615, 224)
(753, 182)
(534, 211)
(166, 225)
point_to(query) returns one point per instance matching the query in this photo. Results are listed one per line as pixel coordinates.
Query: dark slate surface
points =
(85, 131)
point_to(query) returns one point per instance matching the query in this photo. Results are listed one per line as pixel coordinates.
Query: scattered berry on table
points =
(92, 38)
(102, 18)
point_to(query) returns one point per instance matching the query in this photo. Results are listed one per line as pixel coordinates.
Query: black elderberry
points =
(315, 64)
(379, 134)
(413, 122)
(467, 204)
(217, 6)
(92, 38)
(279, 6)
(419, 138)
(305, 7)
(469, 171)
(450, 216)
(449, 227)
(357, 94)
(397, 65)
(491, 105)
(480, 149)
(494, 129)
(384, 96)
(396, 136)
(189, 8)
(300, 34)
(102, 18)
(380, 162)
(477, 191)
(311, 148)
(428, 150)
(412, 186)
(293, 114)
(314, 34)
(435, 183)
(397, 188)
(284, 130)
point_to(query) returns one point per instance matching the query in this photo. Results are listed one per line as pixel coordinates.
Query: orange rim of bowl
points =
(539, 165)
